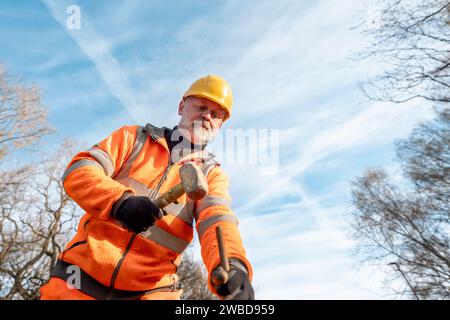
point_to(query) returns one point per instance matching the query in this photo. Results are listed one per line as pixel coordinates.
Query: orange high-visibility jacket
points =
(135, 160)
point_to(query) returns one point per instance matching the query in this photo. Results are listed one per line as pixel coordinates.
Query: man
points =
(125, 247)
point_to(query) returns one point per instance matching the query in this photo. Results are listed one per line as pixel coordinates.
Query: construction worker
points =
(125, 247)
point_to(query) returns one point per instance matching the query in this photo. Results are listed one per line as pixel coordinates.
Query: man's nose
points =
(207, 115)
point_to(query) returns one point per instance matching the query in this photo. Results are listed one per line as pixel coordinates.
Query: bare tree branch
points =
(412, 41)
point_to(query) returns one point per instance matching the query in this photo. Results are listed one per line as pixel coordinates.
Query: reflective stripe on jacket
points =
(135, 160)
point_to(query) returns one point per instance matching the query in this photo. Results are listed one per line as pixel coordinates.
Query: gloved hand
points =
(238, 286)
(138, 213)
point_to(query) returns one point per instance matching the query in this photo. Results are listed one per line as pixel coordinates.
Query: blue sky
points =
(290, 68)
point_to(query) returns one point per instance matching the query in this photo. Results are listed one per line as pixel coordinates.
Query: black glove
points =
(138, 213)
(238, 286)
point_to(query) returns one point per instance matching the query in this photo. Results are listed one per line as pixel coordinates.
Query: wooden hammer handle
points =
(220, 275)
(222, 251)
(169, 196)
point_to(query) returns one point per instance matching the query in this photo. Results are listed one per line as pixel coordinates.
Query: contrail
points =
(98, 50)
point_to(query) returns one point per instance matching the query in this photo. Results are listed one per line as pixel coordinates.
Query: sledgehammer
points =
(193, 183)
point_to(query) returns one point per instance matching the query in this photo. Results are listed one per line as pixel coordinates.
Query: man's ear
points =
(181, 107)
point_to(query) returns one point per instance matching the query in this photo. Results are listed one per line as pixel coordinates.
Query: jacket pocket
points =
(78, 243)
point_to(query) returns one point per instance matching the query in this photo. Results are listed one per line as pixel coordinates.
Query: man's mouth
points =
(204, 125)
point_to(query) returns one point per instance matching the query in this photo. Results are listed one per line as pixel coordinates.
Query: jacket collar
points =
(155, 132)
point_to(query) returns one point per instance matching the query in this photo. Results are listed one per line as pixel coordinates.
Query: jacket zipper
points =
(154, 193)
(130, 243)
(170, 288)
(119, 264)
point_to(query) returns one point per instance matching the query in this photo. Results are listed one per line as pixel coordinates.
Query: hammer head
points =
(193, 181)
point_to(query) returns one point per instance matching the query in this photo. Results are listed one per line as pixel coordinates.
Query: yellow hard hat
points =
(213, 88)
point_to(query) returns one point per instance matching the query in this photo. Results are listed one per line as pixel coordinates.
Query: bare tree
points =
(23, 119)
(37, 218)
(411, 40)
(408, 228)
(32, 202)
(193, 279)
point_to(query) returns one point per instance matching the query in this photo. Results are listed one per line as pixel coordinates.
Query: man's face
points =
(200, 120)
